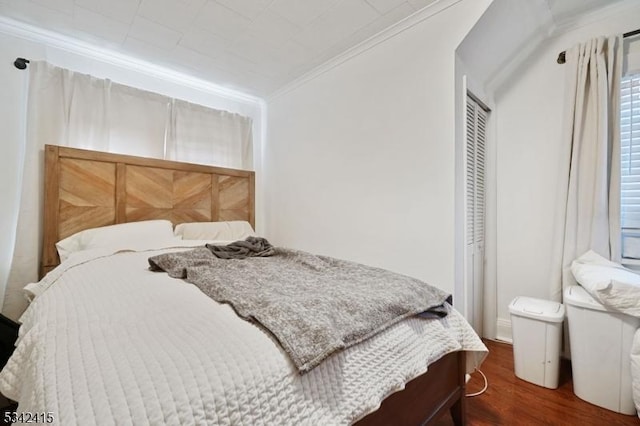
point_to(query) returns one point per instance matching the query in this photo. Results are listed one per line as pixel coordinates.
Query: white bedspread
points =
(109, 342)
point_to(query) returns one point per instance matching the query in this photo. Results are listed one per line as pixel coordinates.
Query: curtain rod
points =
(20, 63)
(562, 55)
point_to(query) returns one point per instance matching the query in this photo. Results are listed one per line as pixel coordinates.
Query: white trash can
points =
(536, 327)
(601, 341)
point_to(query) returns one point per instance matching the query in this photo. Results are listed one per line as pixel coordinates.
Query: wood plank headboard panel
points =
(86, 189)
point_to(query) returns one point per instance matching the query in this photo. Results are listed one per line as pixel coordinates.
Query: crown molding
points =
(581, 20)
(52, 39)
(395, 29)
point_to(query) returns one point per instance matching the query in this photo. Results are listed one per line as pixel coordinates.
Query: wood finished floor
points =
(511, 401)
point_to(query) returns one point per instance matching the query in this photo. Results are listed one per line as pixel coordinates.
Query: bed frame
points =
(86, 189)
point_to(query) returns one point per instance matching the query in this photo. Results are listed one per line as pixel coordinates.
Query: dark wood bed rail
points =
(427, 397)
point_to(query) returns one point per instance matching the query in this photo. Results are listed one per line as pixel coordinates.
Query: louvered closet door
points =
(475, 210)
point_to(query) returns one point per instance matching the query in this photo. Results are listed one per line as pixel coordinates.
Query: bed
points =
(108, 342)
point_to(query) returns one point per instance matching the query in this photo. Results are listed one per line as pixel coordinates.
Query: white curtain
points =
(137, 121)
(72, 109)
(589, 199)
(205, 135)
(56, 98)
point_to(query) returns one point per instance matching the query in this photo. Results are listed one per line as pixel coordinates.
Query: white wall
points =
(529, 117)
(13, 83)
(360, 159)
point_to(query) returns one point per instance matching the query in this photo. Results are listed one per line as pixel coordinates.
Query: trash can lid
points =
(539, 309)
(576, 295)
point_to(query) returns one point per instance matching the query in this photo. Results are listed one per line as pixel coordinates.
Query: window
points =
(630, 165)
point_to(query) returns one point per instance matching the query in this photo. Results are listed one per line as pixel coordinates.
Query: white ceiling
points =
(255, 46)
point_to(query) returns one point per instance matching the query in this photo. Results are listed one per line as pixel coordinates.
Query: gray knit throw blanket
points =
(313, 305)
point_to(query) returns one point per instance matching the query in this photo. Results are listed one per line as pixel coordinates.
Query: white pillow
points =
(148, 233)
(622, 296)
(610, 283)
(228, 231)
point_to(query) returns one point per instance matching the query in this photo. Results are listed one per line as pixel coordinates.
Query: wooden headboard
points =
(86, 189)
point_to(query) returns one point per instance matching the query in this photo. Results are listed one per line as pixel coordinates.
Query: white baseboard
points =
(503, 330)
